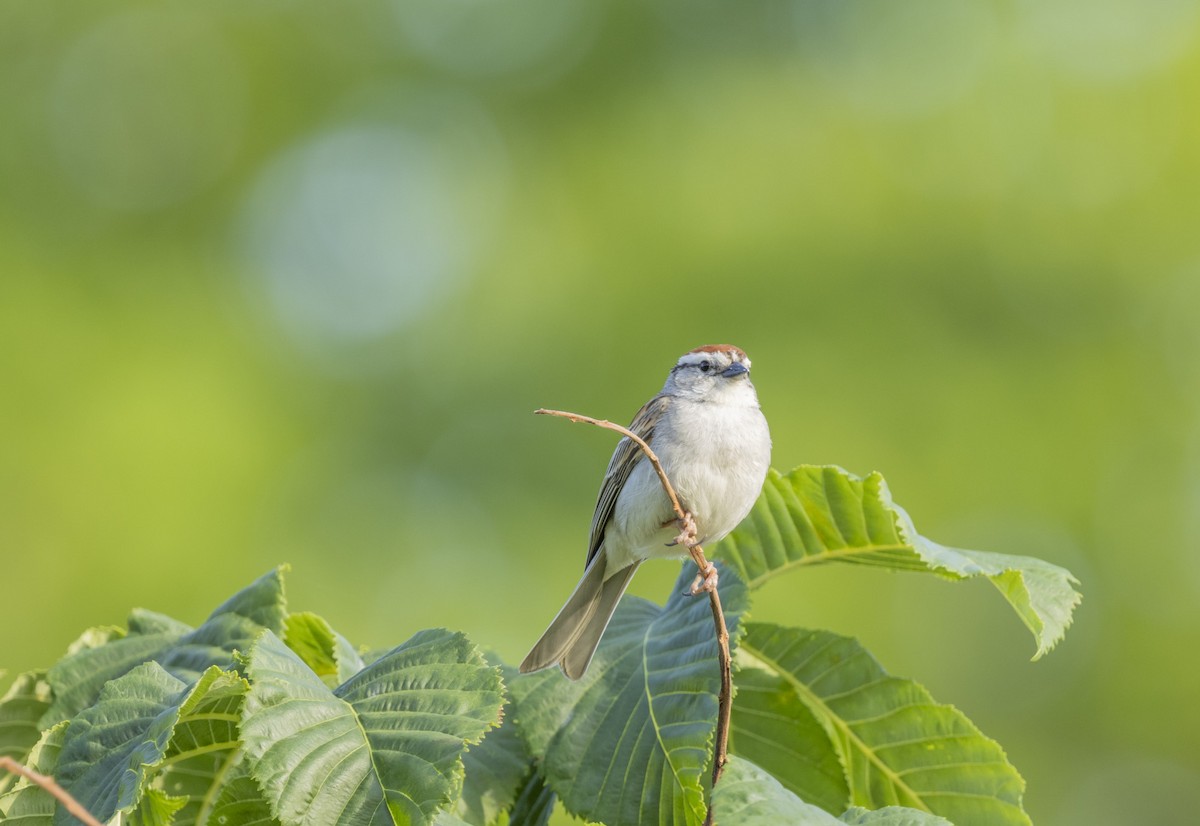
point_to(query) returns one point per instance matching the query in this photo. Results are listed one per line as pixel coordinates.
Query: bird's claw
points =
(687, 536)
(705, 582)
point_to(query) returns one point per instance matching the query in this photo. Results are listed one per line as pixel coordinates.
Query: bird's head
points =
(714, 372)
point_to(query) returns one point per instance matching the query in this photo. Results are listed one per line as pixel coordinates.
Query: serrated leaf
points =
(110, 746)
(631, 742)
(22, 706)
(26, 803)
(749, 796)
(892, 816)
(233, 626)
(896, 744)
(204, 745)
(818, 514)
(149, 727)
(156, 808)
(182, 651)
(385, 747)
(97, 658)
(240, 801)
(495, 770)
(325, 651)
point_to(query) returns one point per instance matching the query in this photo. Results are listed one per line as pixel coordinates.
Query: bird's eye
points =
(705, 366)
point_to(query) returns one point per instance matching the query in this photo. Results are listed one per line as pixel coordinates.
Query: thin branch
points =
(706, 581)
(48, 783)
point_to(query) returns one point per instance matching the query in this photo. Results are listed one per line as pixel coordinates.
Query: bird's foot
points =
(687, 536)
(705, 582)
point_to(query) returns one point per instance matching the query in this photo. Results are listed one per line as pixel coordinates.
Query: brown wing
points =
(624, 459)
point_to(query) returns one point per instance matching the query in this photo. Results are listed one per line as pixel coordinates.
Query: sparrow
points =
(709, 433)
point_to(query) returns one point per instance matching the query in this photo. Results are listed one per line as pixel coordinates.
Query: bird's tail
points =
(572, 637)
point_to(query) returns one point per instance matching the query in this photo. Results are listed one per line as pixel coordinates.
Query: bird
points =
(710, 435)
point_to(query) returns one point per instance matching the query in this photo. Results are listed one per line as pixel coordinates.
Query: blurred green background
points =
(284, 282)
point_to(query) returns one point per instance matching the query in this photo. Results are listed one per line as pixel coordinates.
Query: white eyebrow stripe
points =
(695, 358)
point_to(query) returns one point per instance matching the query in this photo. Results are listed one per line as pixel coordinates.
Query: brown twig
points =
(724, 704)
(48, 783)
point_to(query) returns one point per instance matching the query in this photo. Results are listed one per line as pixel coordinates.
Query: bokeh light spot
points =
(354, 233)
(361, 229)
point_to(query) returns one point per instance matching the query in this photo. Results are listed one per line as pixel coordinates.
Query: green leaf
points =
(535, 802)
(233, 626)
(157, 808)
(631, 742)
(818, 514)
(897, 746)
(321, 648)
(892, 816)
(26, 803)
(111, 745)
(495, 770)
(447, 819)
(96, 637)
(774, 729)
(149, 728)
(20, 709)
(99, 657)
(385, 747)
(240, 801)
(749, 796)
(204, 745)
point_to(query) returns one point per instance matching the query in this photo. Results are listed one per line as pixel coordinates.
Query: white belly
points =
(718, 479)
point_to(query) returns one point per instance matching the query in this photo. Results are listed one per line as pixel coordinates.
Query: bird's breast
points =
(716, 457)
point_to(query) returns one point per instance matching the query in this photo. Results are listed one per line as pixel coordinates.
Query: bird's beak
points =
(735, 369)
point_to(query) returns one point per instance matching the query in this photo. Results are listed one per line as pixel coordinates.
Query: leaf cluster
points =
(264, 716)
